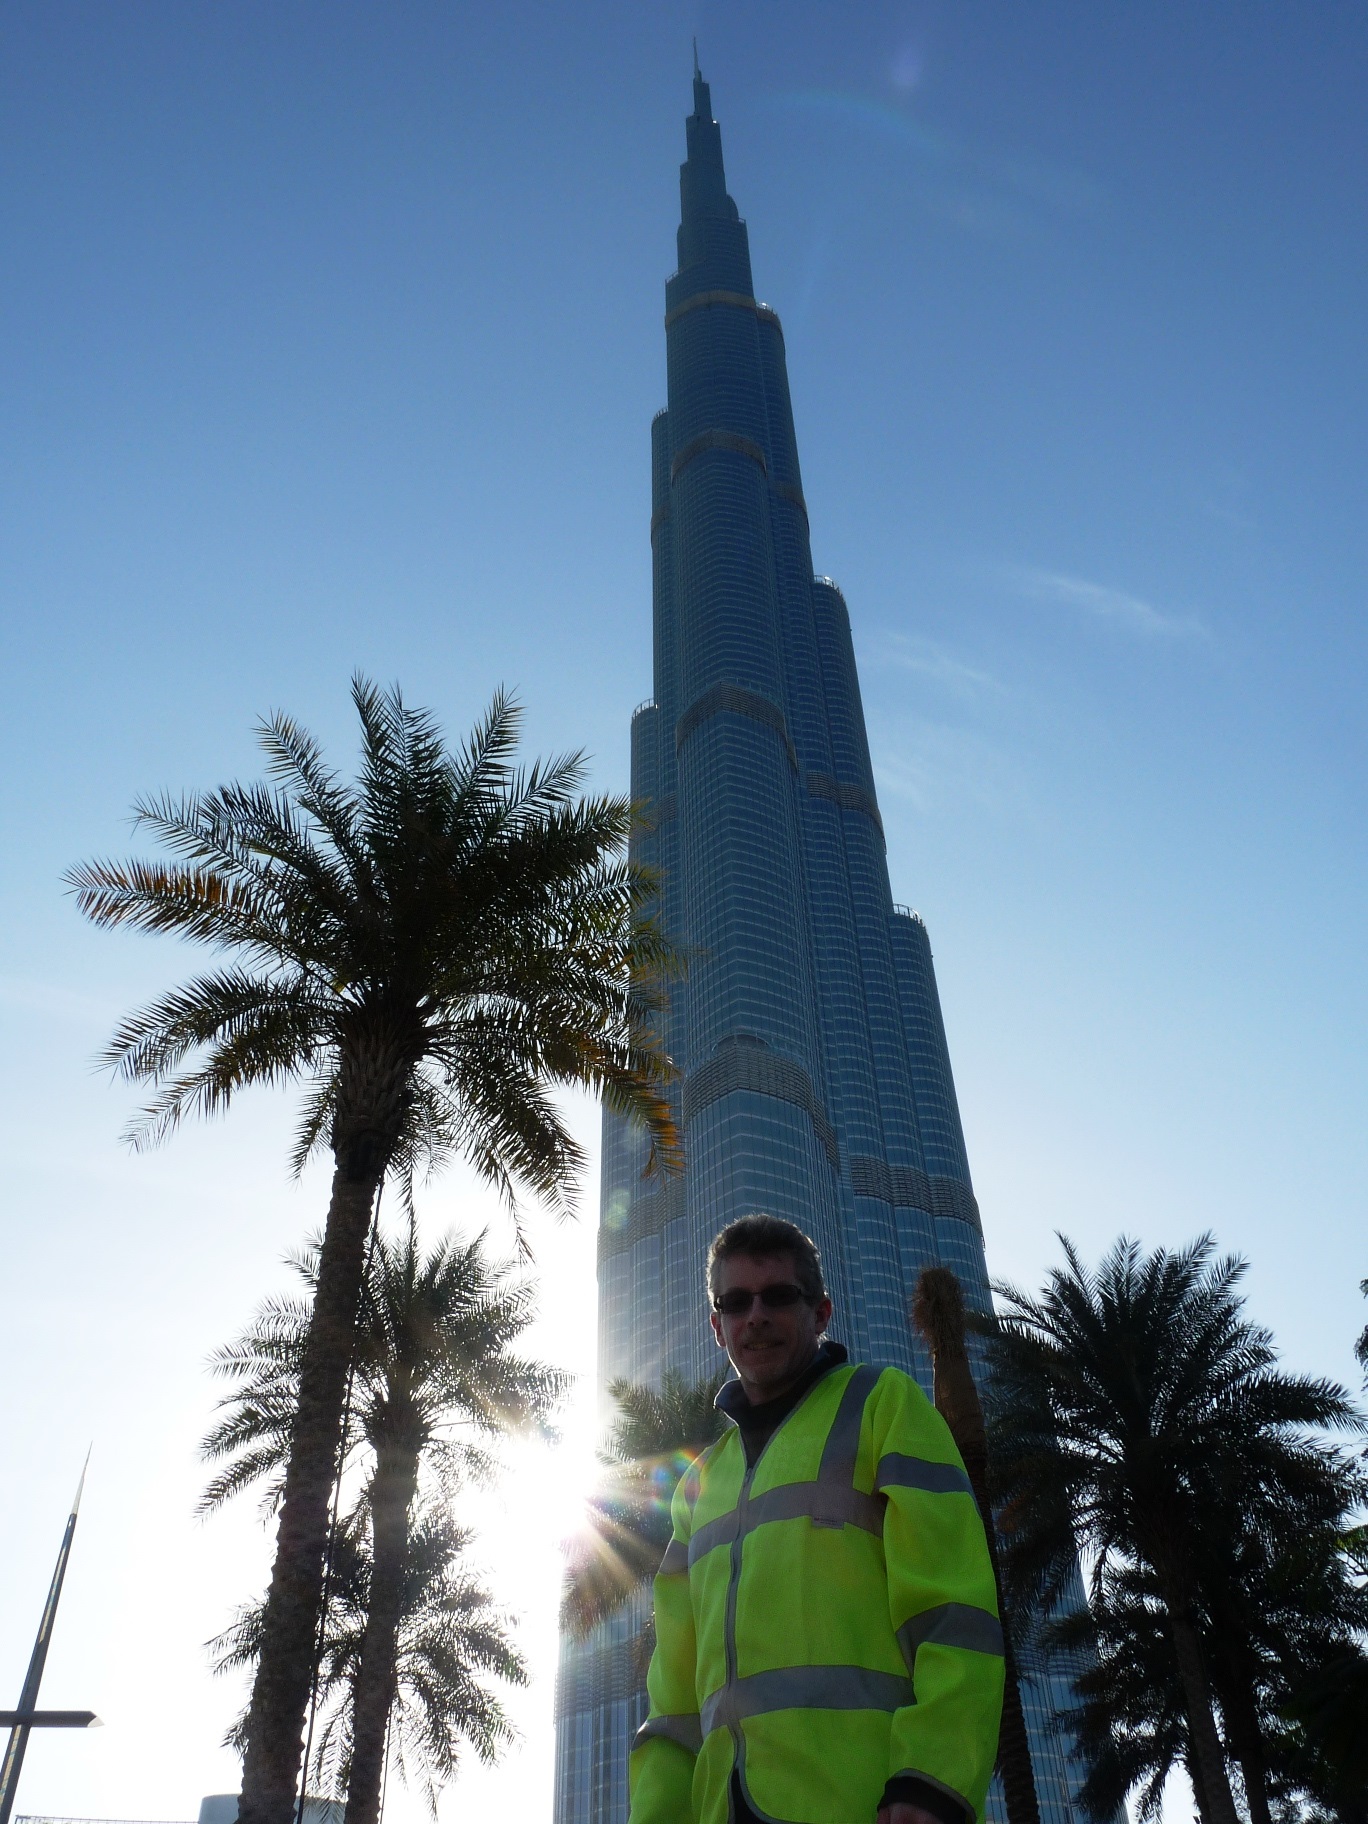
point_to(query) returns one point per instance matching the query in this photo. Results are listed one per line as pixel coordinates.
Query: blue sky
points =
(330, 337)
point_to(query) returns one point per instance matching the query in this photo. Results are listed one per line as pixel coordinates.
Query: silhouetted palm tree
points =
(433, 948)
(657, 1435)
(452, 1642)
(1128, 1718)
(1327, 1744)
(433, 1363)
(938, 1312)
(1138, 1415)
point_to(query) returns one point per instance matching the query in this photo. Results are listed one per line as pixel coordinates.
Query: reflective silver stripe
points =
(685, 1731)
(896, 1471)
(843, 1440)
(805, 1688)
(953, 1624)
(676, 1559)
(822, 1503)
(717, 1532)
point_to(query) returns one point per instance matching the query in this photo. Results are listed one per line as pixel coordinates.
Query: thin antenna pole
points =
(28, 1700)
(697, 71)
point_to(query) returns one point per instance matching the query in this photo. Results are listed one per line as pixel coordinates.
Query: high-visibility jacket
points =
(825, 1621)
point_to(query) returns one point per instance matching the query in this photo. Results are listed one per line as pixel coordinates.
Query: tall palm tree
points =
(938, 1313)
(658, 1433)
(1128, 1718)
(1136, 1414)
(1287, 1666)
(1328, 1739)
(433, 948)
(433, 1362)
(452, 1643)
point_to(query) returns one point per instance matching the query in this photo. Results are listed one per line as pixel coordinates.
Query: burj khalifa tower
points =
(814, 1078)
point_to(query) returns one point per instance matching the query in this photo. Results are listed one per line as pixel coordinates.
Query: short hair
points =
(762, 1236)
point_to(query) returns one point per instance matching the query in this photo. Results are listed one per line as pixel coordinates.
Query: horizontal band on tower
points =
(741, 702)
(849, 797)
(703, 299)
(909, 1188)
(749, 1064)
(597, 1672)
(732, 441)
(786, 491)
(652, 1203)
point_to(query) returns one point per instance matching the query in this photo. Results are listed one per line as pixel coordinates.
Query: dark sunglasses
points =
(737, 1301)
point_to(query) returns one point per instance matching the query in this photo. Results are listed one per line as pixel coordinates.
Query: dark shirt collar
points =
(758, 1423)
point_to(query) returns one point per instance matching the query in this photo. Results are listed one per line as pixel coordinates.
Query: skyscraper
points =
(814, 1077)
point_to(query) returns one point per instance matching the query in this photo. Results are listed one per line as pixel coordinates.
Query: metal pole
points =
(28, 1698)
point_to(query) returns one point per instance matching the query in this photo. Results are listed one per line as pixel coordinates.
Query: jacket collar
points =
(731, 1399)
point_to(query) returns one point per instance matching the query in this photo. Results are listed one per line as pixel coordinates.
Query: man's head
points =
(770, 1344)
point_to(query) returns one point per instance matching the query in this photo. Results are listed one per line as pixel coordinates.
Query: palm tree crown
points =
(658, 1433)
(1139, 1415)
(434, 1368)
(431, 948)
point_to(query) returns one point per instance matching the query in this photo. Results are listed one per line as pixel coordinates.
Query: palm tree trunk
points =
(1234, 1674)
(1198, 1796)
(1256, 1789)
(1208, 1765)
(1247, 1742)
(938, 1310)
(280, 1693)
(392, 1490)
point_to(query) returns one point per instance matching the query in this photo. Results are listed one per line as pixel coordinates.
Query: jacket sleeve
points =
(661, 1768)
(943, 1605)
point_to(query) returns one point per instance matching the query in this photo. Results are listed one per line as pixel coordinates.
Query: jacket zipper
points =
(734, 1576)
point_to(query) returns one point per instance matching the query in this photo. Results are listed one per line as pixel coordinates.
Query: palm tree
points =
(433, 1352)
(452, 1642)
(657, 1435)
(1328, 1742)
(434, 948)
(1299, 1611)
(938, 1313)
(1136, 1414)
(1128, 1719)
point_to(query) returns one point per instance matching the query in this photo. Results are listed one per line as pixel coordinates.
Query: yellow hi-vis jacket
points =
(825, 1622)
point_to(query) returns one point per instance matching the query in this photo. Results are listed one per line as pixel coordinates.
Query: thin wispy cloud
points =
(932, 661)
(1130, 612)
(943, 769)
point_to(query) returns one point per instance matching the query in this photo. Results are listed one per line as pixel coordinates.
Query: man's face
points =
(769, 1349)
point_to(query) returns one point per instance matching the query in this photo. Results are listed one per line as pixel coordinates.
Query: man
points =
(827, 1643)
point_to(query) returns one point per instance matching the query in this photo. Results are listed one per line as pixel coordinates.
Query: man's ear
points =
(716, 1323)
(823, 1314)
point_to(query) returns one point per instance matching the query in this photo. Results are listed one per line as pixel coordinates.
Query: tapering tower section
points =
(814, 1077)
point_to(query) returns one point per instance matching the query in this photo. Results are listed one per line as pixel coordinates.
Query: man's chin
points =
(768, 1376)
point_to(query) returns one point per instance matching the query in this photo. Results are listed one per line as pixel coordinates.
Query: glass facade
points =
(814, 1076)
